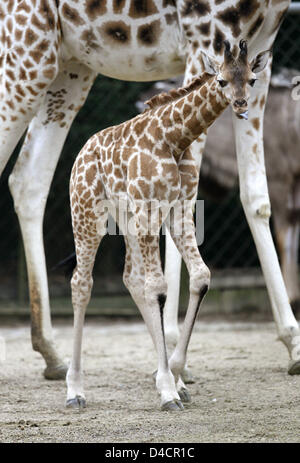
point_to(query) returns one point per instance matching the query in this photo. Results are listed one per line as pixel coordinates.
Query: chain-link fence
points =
(228, 242)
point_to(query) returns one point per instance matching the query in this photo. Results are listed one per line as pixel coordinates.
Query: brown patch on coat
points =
(160, 189)
(255, 26)
(171, 18)
(90, 174)
(172, 137)
(9, 25)
(195, 8)
(262, 102)
(148, 34)
(23, 6)
(30, 37)
(148, 166)
(72, 15)
(139, 126)
(117, 32)
(118, 6)
(169, 170)
(218, 42)
(133, 167)
(232, 16)
(154, 130)
(145, 143)
(89, 38)
(95, 8)
(144, 188)
(21, 19)
(47, 13)
(255, 122)
(169, 2)
(204, 28)
(142, 8)
(18, 34)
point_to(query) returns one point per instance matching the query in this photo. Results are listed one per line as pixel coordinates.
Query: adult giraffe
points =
(50, 54)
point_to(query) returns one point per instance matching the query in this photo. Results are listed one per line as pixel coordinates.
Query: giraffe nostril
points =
(240, 102)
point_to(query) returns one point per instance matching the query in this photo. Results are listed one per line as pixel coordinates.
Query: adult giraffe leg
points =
(288, 239)
(29, 61)
(255, 201)
(286, 227)
(29, 184)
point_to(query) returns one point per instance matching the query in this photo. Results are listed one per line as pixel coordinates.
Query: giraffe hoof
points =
(172, 406)
(184, 395)
(56, 373)
(294, 368)
(187, 376)
(77, 403)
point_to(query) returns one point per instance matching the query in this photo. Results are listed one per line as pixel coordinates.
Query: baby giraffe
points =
(146, 163)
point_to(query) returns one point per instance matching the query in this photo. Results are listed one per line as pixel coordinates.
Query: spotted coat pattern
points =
(140, 161)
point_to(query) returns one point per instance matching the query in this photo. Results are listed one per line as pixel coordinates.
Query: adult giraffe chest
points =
(144, 40)
(125, 39)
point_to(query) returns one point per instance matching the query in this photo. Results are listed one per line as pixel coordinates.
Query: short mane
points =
(176, 93)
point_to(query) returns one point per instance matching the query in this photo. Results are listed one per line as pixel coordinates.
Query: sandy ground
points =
(242, 391)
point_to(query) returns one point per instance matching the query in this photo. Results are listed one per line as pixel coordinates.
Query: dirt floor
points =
(242, 391)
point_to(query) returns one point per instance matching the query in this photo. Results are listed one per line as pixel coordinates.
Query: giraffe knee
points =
(133, 282)
(200, 280)
(256, 206)
(81, 286)
(29, 197)
(156, 285)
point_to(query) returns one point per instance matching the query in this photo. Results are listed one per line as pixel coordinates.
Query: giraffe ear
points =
(210, 65)
(259, 63)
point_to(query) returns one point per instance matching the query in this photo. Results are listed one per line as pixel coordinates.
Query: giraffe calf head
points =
(236, 75)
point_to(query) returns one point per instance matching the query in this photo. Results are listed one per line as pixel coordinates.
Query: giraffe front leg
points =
(155, 297)
(29, 184)
(286, 227)
(172, 275)
(255, 201)
(199, 282)
(289, 240)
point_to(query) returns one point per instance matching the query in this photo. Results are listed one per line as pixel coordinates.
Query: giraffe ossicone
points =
(148, 160)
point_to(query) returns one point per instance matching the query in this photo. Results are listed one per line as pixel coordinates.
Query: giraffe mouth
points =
(243, 115)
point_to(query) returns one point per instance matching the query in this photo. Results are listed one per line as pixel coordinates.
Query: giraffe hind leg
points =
(37, 161)
(81, 285)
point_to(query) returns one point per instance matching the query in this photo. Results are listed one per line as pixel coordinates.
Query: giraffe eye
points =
(223, 83)
(252, 82)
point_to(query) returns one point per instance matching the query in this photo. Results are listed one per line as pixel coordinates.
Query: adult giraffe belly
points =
(141, 48)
